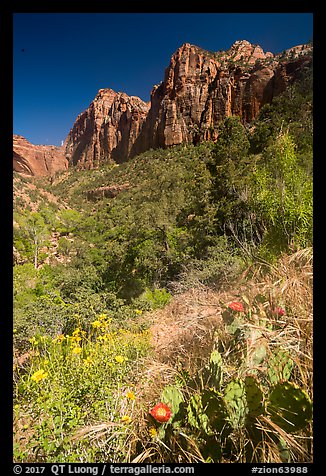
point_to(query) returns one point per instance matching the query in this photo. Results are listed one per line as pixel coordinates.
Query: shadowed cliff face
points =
(106, 130)
(37, 160)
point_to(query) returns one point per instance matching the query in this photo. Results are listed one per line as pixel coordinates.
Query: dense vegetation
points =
(188, 216)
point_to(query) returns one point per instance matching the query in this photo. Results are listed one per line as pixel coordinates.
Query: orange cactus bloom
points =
(279, 311)
(161, 412)
(236, 306)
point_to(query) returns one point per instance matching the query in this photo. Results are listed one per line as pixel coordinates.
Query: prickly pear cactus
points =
(235, 327)
(236, 402)
(207, 412)
(256, 348)
(254, 397)
(284, 450)
(212, 374)
(289, 407)
(195, 413)
(280, 367)
(216, 411)
(216, 370)
(173, 397)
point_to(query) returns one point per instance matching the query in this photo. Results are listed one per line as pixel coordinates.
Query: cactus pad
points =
(280, 367)
(289, 407)
(195, 413)
(173, 397)
(254, 397)
(236, 403)
(207, 412)
(212, 374)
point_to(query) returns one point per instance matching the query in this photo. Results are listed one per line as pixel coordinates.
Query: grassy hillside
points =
(122, 273)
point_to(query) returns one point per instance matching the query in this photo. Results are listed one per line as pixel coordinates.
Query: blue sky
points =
(61, 60)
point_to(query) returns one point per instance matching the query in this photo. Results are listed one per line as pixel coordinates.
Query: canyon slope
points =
(37, 160)
(199, 90)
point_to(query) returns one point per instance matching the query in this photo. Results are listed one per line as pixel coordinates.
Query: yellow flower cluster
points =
(33, 341)
(88, 362)
(126, 419)
(77, 350)
(102, 322)
(59, 339)
(39, 375)
(130, 395)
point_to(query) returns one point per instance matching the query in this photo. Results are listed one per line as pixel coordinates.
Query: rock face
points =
(37, 160)
(107, 191)
(107, 130)
(201, 88)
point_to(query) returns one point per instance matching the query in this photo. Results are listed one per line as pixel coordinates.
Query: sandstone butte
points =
(199, 90)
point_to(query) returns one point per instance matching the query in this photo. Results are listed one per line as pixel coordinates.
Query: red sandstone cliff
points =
(107, 130)
(37, 160)
(199, 90)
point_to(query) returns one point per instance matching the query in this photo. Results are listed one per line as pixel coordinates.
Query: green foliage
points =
(68, 221)
(289, 406)
(235, 399)
(156, 299)
(283, 198)
(71, 381)
(290, 110)
(30, 234)
(280, 366)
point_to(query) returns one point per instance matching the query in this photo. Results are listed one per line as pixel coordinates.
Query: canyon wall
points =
(199, 90)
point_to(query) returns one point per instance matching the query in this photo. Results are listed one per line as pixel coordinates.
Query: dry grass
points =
(184, 333)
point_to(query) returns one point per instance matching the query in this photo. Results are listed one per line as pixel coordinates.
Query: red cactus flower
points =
(279, 311)
(236, 306)
(161, 412)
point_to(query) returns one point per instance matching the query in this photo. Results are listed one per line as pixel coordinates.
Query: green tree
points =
(30, 234)
(282, 197)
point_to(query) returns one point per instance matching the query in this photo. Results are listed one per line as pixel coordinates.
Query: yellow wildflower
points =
(39, 375)
(96, 324)
(76, 331)
(76, 338)
(153, 432)
(130, 395)
(138, 311)
(126, 419)
(58, 339)
(33, 341)
(45, 362)
(77, 350)
(88, 361)
(102, 338)
(119, 359)
(102, 317)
